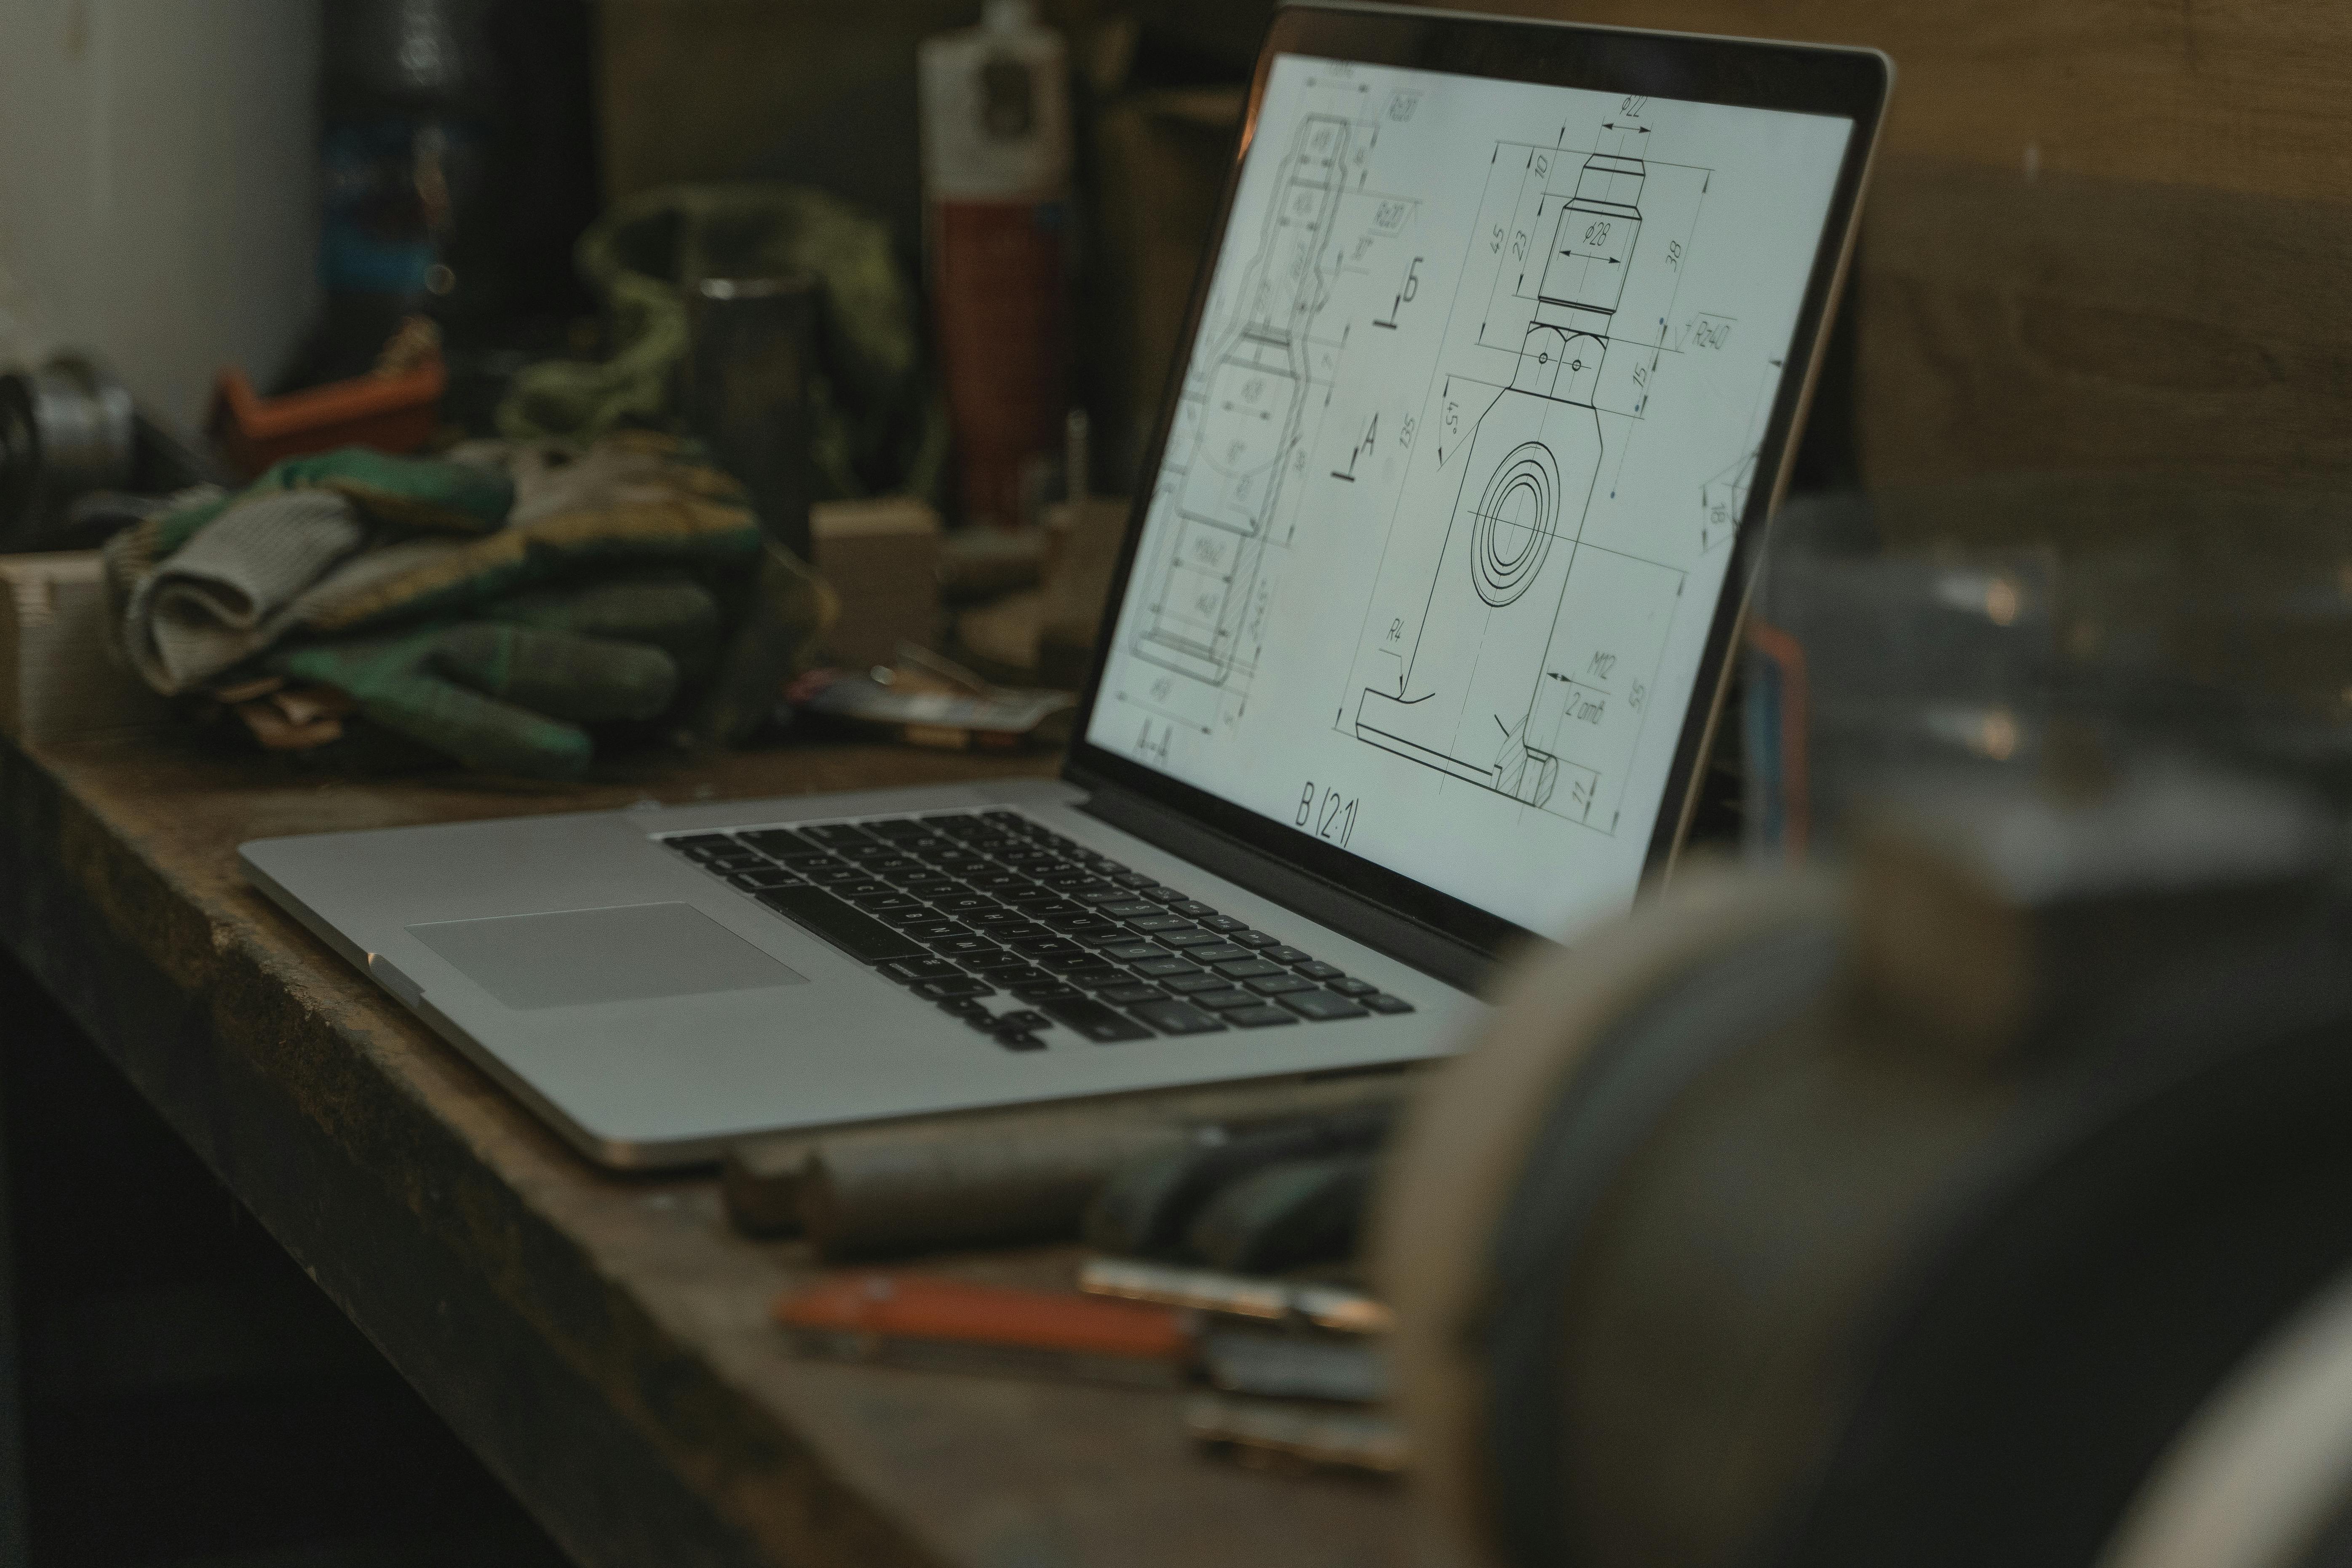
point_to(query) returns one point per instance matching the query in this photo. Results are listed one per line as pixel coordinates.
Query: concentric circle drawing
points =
(1513, 525)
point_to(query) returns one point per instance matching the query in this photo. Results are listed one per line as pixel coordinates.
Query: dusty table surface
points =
(601, 1341)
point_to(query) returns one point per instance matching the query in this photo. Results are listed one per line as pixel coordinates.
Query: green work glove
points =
(510, 691)
(420, 493)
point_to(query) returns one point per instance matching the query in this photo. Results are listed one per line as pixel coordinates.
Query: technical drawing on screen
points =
(1472, 417)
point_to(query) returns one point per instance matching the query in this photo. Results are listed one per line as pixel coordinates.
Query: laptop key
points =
(1191, 909)
(1157, 923)
(777, 841)
(854, 931)
(836, 874)
(1255, 939)
(1096, 976)
(897, 827)
(1044, 903)
(924, 968)
(936, 926)
(1225, 999)
(1165, 895)
(1222, 923)
(1167, 965)
(1016, 1040)
(1248, 969)
(1279, 984)
(773, 876)
(882, 903)
(913, 914)
(809, 865)
(1316, 969)
(971, 1009)
(833, 835)
(1044, 991)
(1260, 1018)
(1065, 962)
(1285, 956)
(1135, 879)
(698, 845)
(1190, 937)
(1321, 1006)
(961, 862)
(961, 985)
(1191, 985)
(1121, 907)
(1177, 1018)
(1347, 986)
(1047, 947)
(1002, 968)
(959, 946)
(1132, 992)
(1090, 1018)
(961, 903)
(1380, 1002)
(1223, 953)
(1133, 952)
(741, 860)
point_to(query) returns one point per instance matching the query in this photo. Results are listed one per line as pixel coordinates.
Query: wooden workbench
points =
(600, 1341)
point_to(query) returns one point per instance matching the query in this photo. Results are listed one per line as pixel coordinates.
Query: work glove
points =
(513, 689)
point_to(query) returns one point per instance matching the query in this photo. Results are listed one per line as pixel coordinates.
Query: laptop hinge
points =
(1399, 937)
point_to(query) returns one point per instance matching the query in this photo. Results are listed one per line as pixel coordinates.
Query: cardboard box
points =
(60, 678)
(882, 556)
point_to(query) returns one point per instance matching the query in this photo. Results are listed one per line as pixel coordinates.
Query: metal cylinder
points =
(66, 429)
(753, 346)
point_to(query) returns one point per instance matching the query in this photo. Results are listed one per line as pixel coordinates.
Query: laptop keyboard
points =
(1018, 930)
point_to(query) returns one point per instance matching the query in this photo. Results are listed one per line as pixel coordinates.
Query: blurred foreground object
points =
(487, 608)
(1896, 1214)
(2263, 1477)
(996, 190)
(394, 409)
(2085, 613)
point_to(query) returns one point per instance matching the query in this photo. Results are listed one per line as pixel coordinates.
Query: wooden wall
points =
(2104, 233)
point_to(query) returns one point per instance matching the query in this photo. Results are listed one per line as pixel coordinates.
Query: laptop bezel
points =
(1849, 83)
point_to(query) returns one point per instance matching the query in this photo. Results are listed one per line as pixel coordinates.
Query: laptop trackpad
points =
(629, 954)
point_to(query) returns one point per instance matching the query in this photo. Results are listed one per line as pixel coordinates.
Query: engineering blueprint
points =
(1471, 420)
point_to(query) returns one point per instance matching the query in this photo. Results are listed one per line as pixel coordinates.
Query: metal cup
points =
(751, 350)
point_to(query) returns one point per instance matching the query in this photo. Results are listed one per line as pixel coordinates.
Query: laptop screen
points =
(1465, 434)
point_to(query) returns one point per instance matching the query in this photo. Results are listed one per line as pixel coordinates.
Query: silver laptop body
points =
(1415, 650)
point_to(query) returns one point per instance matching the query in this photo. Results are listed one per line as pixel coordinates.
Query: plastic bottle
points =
(996, 178)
